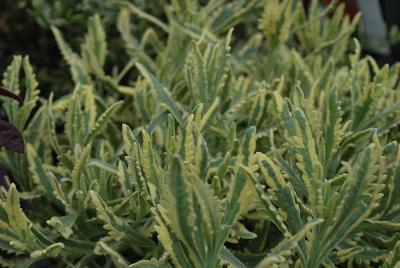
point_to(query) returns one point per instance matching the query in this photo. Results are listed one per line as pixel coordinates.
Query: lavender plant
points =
(205, 150)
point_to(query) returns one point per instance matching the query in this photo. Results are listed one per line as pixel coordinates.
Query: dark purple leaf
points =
(10, 137)
(7, 93)
(3, 174)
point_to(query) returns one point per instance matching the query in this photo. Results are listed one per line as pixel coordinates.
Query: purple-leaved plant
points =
(10, 137)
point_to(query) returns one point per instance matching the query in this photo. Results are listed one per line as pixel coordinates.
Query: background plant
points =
(203, 150)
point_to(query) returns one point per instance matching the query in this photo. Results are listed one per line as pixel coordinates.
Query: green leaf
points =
(77, 178)
(145, 264)
(95, 40)
(39, 173)
(393, 258)
(102, 165)
(118, 260)
(135, 10)
(334, 130)
(53, 250)
(179, 205)
(232, 259)
(16, 217)
(151, 170)
(75, 125)
(64, 224)
(162, 93)
(78, 70)
(31, 94)
(11, 81)
(102, 122)
(284, 248)
(117, 227)
(209, 115)
(233, 204)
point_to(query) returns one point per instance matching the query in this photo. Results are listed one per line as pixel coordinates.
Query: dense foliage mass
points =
(276, 149)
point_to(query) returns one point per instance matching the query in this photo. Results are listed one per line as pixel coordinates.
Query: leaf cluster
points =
(279, 150)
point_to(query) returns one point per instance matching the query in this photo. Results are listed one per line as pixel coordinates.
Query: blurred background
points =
(25, 29)
(379, 28)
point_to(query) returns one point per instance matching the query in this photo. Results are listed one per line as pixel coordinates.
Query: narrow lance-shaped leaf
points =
(102, 122)
(393, 259)
(31, 94)
(116, 226)
(77, 177)
(232, 259)
(334, 130)
(284, 248)
(39, 173)
(149, 163)
(11, 81)
(16, 218)
(162, 93)
(179, 205)
(78, 71)
(96, 39)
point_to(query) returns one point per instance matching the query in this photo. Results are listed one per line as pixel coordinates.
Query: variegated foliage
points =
(278, 150)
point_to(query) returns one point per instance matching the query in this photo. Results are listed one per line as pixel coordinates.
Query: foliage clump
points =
(278, 149)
